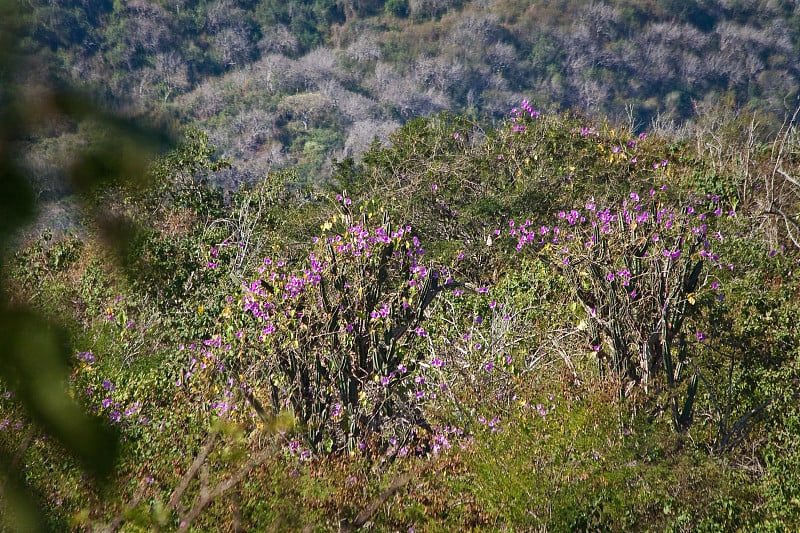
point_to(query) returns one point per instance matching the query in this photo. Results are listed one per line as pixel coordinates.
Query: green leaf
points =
(33, 363)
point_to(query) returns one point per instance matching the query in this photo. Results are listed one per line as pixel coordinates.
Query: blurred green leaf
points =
(34, 364)
(19, 505)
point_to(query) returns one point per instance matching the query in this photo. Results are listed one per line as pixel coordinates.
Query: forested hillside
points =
(506, 315)
(298, 83)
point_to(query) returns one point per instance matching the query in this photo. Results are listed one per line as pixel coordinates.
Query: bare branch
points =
(368, 512)
(175, 500)
(207, 496)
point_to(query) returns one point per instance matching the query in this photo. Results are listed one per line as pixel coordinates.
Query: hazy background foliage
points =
(301, 83)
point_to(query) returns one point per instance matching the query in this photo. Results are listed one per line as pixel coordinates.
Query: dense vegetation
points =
(497, 318)
(279, 84)
(556, 323)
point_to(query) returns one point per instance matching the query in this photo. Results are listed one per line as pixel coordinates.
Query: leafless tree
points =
(352, 106)
(278, 40)
(365, 48)
(361, 135)
(171, 73)
(310, 109)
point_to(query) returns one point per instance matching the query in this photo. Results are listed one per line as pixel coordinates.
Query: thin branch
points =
(175, 499)
(131, 505)
(368, 512)
(222, 488)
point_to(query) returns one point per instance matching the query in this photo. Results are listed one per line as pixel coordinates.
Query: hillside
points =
(499, 317)
(279, 84)
(554, 324)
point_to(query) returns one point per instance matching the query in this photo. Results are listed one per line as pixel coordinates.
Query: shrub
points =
(329, 336)
(637, 269)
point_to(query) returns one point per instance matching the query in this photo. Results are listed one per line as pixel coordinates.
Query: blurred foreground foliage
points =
(35, 352)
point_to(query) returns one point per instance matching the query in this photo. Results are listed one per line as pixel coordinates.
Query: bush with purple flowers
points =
(637, 266)
(330, 337)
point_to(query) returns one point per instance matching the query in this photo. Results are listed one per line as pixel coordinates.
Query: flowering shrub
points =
(331, 338)
(637, 267)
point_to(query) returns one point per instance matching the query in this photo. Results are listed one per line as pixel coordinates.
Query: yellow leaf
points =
(690, 297)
